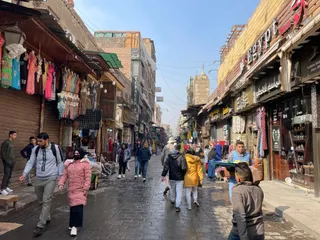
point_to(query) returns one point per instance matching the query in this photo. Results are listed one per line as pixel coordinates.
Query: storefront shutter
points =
(19, 112)
(51, 121)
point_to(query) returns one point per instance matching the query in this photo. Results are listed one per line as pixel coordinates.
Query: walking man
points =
(144, 156)
(165, 153)
(47, 159)
(26, 154)
(8, 159)
(176, 165)
(137, 160)
(237, 156)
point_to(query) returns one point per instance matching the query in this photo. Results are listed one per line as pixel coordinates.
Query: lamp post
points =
(13, 34)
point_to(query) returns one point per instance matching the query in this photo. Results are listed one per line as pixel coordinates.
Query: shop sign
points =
(225, 110)
(215, 115)
(268, 87)
(299, 9)
(276, 138)
(158, 89)
(245, 99)
(263, 43)
(214, 112)
(159, 99)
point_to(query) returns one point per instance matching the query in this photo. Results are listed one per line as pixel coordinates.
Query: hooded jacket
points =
(194, 171)
(144, 154)
(165, 153)
(176, 165)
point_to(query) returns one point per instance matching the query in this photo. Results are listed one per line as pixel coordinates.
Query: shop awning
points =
(45, 36)
(112, 59)
(101, 64)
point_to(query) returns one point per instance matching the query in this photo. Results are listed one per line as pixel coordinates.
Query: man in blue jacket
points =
(26, 154)
(144, 157)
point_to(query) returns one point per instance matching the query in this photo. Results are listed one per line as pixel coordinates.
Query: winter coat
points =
(78, 174)
(194, 171)
(176, 165)
(165, 153)
(144, 154)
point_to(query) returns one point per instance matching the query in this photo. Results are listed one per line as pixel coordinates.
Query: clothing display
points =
(6, 70)
(53, 86)
(32, 68)
(24, 70)
(68, 105)
(83, 97)
(16, 73)
(1, 44)
(238, 124)
(48, 89)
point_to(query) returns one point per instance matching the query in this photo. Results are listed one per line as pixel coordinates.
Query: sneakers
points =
(144, 180)
(123, 176)
(4, 193)
(178, 209)
(73, 232)
(135, 176)
(119, 176)
(166, 191)
(189, 208)
(197, 204)
(139, 175)
(9, 190)
(29, 184)
(37, 232)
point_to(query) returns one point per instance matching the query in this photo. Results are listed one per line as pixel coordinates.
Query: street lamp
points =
(13, 34)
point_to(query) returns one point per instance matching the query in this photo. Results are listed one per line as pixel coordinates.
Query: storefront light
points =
(105, 90)
(113, 83)
(13, 34)
(101, 85)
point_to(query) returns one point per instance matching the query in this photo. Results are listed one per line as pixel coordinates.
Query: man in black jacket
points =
(176, 165)
(26, 153)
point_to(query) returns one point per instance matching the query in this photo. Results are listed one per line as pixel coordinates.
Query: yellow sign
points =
(225, 111)
(214, 112)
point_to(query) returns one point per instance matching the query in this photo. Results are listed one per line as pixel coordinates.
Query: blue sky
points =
(186, 33)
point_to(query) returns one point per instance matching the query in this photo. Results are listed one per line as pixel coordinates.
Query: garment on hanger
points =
(32, 68)
(264, 130)
(44, 76)
(1, 44)
(48, 90)
(78, 83)
(69, 81)
(53, 86)
(24, 70)
(83, 98)
(16, 73)
(73, 83)
(6, 70)
(65, 75)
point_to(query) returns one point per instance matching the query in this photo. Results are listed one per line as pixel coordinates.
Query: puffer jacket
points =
(144, 154)
(176, 166)
(78, 174)
(194, 171)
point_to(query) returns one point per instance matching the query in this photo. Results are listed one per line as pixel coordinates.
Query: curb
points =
(281, 212)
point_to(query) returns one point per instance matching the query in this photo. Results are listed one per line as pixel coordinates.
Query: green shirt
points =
(7, 152)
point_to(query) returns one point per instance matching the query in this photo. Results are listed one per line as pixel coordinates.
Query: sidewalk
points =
(293, 204)
(26, 196)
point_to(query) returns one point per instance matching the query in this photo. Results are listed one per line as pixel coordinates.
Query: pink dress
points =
(48, 90)
(78, 174)
(32, 68)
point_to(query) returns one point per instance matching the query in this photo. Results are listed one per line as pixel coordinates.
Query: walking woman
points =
(144, 156)
(78, 174)
(124, 157)
(192, 176)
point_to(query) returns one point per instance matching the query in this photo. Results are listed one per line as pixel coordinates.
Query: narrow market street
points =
(131, 209)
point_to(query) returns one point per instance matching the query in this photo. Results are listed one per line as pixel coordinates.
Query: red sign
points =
(299, 9)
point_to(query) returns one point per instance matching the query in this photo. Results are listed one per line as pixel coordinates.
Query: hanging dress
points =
(48, 91)
(16, 73)
(53, 86)
(6, 71)
(1, 44)
(24, 71)
(38, 83)
(44, 77)
(32, 68)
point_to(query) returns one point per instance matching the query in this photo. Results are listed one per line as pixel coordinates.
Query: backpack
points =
(53, 149)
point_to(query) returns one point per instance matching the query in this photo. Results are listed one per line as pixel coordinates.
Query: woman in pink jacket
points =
(78, 174)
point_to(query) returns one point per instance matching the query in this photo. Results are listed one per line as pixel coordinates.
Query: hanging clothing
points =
(24, 71)
(73, 83)
(1, 44)
(65, 75)
(69, 81)
(83, 98)
(32, 68)
(53, 86)
(48, 90)
(16, 73)
(39, 88)
(264, 130)
(6, 71)
(44, 76)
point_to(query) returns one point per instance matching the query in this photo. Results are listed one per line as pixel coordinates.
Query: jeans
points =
(28, 178)
(232, 183)
(211, 169)
(137, 166)
(44, 189)
(144, 167)
(122, 166)
(233, 236)
(76, 216)
(176, 192)
(7, 172)
(194, 191)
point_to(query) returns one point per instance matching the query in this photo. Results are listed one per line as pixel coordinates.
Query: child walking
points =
(78, 174)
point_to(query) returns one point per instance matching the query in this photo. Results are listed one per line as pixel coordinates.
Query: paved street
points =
(129, 209)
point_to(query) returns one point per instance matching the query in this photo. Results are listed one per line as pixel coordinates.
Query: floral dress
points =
(16, 73)
(32, 68)
(6, 71)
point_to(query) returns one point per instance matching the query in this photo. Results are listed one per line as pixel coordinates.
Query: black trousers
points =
(122, 166)
(76, 216)
(7, 172)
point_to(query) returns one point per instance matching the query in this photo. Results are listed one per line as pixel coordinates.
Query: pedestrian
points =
(124, 156)
(237, 156)
(8, 160)
(176, 165)
(78, 174)
(212, 157)
(206, 161)
(26, 153)
(193, 177)
(137, 160)
(165, 153)
(128, 164)
(47, 159)
(144, 156)
(247, 201)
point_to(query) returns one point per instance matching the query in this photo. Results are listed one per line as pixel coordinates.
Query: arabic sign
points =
(262, 44)
(158, 89)
(267, 87)
(299, 9)
(214, 112)
(244, 99)
(276, 138)
(159, 99)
